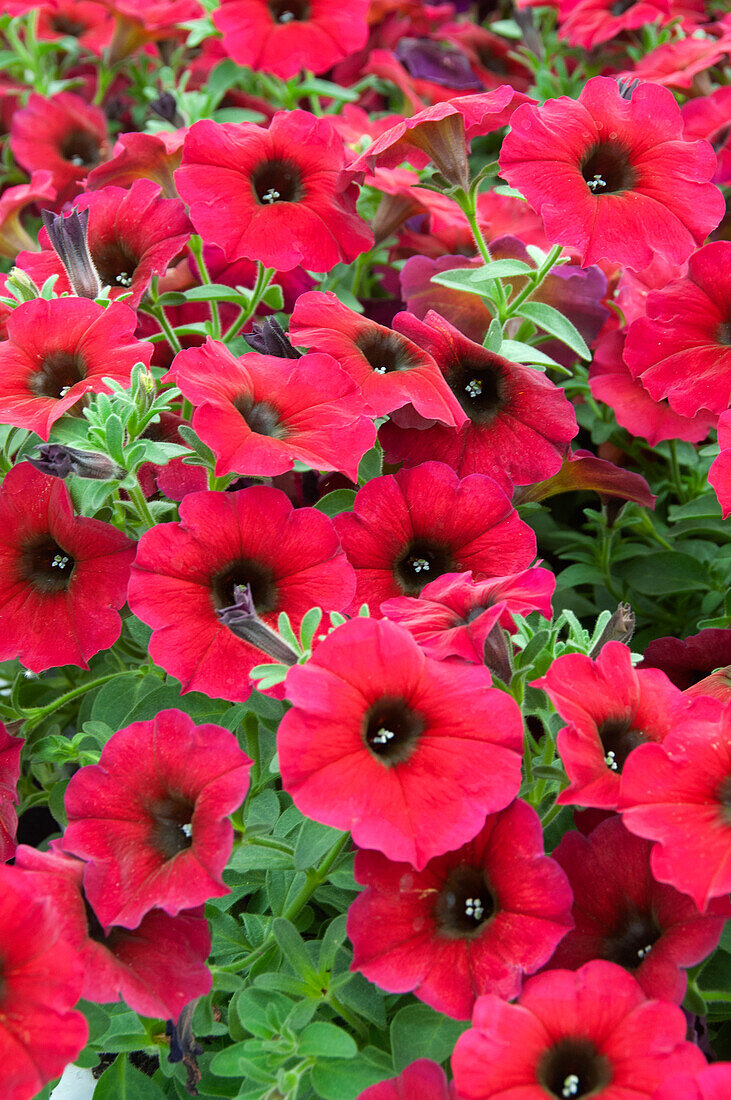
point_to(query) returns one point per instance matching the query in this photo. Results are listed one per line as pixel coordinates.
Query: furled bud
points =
(269, 338)
(242, 620)
(21, 286)
(59, 461)
(68, 237)
(620, 628)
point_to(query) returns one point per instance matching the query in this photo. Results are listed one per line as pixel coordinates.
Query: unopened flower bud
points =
(620, 628)
(21, 286)
(166, 107)
(242, 620)
(59, 461)
(68, 237)
(269, 338)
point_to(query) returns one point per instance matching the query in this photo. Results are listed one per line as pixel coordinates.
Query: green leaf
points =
(371, 464)
(340, 500)
(550, 320)
(321, 1040)
(309, 625)
(518, 352)
(217, 292)
(123, 1082)
(494, 337)
(293, 948)
(164, 696)
(117, 698)
(417, 1031)
(476, 280)
(346, 1080)
(273, 297)
(313, 841)
(115, 438)
(508, 28)
(664, 573)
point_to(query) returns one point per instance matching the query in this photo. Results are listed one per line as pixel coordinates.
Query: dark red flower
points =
(709, 117)
(422, 1080)
(677, 63)
(682, 349)
(454, 615)
(687, 661)
(472, 922)
(520, 423)
(719, 475)
(273, 194)
(41, 982)
(64, 578)
(59, 350)
(614, 177)
(679, 795)
(151, 818)
(89, 23)
(406, 529)
(623, 915)
(10, 749)
(13, 237)
(285, 36)
(185, 571)
(156, 968)
(408, 753)
(259, 413)
(589, 23)
(62, 134)
(141, 156)
(573, 1034)
(132, 235)
(711, 1083)
(390, 369)
(611, 708)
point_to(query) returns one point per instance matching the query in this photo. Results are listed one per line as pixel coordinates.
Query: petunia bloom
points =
(422, 1080)
(612, 177)
(473, 921)
(408, 753)
(63, 577)
(719, 475)
(275, 194)
(184, 572)
(711, 1083)
(151, 818)
(10, 749)
(572, 1034)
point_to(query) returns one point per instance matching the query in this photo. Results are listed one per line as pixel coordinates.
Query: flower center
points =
(46, 565)
(391, 730)
(632, 940)
(58, 372)
(287, 11)
(258, 576)
(116, 265)
(607, 170)
(719, 139)
(723, 334)
(621, 6)
(80, 148)
(480, 389)
(172, 831)
(62, 24)
(384, 351)
(464, 904)
(422, 561)
(618, 738)
(573, 1068)
(261, 417)
(277, 181)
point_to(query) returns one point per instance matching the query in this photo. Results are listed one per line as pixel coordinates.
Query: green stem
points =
(551, 815)
(196, 247)
(468, 203)
(138, 499)
(268, 842)
(159, 314)
(350, 1018)
(675, 471)
(543, 271)
(263, 278)
(39, 714)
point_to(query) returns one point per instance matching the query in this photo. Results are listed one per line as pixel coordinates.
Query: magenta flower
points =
(10, 749)
(422, 1080)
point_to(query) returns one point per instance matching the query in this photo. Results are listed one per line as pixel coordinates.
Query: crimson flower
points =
(59, 350)
(390, 369)
(682, 349)
(719, 475)
(573, 1034)
(156, 968)
(285, 36)
(260, 413)
(409, 528)
(408, 753)
(64, 577)
(273, 194)
(84, 20)
(624, 915)
(151, 818)
(41, 976)
(63, 134)
(708, 117)
(689, 660)
(13, 237)
(711, 1083)
(611, 709)
(422, 1080)
(10, 749)
(472, 921)
(141, 156)
(520, 423)
(679, 795)
(614, 177)
(132, 235)
(588, 23)
(185, 571)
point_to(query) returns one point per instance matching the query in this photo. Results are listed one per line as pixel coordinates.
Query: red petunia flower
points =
(285, 36)
(709, 117)
(682, 349)
(88, 22)
(571, 1034)
(623, 915)
(711, 1083)
(41, 982)
(273, 194)
(390, 369)
(589, 23)
(132, 235)
(520, 423)
(156, 968)
(679, 795)
(64, 578)
(259, 413)
(141, 156)
(719, 475)
(408, 753)
(689, 660)
(10, 749)
(59, 350)
(677, 63)
(610, 381)
(406, 529)
(454, 615)
(422, 1080)
(151, 818)
(611, 709)
(472, 922)
(64, 135)
(13, 237)
(185, 571)
(614, 177)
